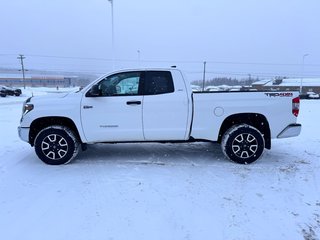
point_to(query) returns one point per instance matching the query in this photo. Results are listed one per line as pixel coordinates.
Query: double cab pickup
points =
(156, 105)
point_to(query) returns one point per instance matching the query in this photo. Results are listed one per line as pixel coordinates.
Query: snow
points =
(308, 82)
(291, 82)
(262, 82)
(159, 191)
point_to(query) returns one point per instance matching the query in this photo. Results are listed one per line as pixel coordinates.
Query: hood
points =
(50, 96)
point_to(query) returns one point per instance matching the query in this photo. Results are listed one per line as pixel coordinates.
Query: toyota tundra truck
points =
(156, 105)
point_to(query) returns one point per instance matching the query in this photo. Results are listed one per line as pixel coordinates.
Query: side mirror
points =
(94, 91)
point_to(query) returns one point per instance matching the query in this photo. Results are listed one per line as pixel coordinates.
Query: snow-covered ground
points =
(159, 191)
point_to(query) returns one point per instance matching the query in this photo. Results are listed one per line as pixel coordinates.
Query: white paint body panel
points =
(56, 105)
(167, 116)
(206, 125)
(110, 119)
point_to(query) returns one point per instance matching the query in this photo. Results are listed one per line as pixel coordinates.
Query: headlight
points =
(27, 107)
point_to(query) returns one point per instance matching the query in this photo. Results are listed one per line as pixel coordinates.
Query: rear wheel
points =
(56, 145)
(243, 144)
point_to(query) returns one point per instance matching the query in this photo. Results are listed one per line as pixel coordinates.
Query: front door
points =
(116, 114)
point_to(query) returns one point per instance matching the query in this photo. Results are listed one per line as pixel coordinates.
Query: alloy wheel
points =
(245, 145)
(54, 146)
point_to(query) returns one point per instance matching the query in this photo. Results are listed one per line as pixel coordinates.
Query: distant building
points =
(36, 80)
(289, 84)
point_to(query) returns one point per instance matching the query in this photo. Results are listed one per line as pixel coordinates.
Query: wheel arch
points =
(40, 123)
(256, 120)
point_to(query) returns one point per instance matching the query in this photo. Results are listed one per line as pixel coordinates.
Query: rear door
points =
(165, 107)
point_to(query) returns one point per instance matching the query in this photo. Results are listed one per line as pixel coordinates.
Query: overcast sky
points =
(235, 37)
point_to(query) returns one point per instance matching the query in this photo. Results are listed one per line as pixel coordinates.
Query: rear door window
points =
(158, 82)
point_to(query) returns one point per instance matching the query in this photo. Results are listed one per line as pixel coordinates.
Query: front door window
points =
(121, 84)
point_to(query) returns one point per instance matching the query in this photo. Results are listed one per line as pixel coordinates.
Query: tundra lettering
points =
(287, 94)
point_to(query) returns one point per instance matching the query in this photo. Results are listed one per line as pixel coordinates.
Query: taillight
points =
(295, 106)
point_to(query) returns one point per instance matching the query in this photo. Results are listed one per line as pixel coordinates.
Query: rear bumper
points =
(24, 133)
(292, 130)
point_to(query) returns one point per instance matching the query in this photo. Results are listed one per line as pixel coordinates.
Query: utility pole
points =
(204, 75)
(302, 72)
(21, 57)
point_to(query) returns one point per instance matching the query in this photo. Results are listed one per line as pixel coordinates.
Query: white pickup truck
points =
(156, 105)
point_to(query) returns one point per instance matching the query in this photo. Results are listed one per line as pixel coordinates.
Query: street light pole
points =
(302, 73)
(112, 35)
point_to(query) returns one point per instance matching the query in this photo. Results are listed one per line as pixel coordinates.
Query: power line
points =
(270, 74)
(180, 61)
(1, 54)
(167, 61)
(56, 67)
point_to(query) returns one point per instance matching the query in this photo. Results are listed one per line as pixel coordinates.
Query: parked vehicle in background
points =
(7, 90)
(196, 88)
(156, 105)
(2, 93)
(313, 95)
(11, 91)
(17, 91)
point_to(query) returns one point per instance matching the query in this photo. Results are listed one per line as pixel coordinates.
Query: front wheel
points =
(56, 145)
(243, 144)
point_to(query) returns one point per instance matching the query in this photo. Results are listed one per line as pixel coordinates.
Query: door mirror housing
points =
(94, 91)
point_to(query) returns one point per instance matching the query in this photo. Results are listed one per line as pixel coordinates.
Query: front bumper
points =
(292, 130)
(24, 133)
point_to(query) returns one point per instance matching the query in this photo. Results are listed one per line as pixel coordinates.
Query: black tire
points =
(56, 145)
(243, 144)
